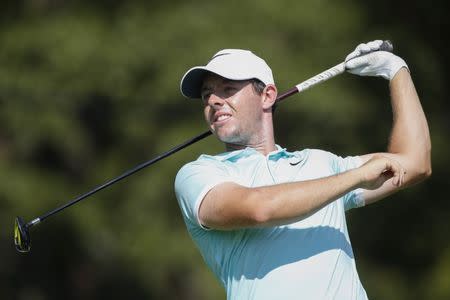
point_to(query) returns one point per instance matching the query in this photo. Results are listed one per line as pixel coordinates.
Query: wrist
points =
(357, 177)
(397, 64)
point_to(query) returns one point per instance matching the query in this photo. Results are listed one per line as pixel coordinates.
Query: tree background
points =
(89, 89)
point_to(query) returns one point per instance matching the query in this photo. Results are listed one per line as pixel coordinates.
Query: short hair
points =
(258, 87)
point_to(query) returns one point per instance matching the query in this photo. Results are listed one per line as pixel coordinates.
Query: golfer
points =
(270, 222)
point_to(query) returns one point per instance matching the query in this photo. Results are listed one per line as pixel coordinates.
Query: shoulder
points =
(200, 169)
(202, 162)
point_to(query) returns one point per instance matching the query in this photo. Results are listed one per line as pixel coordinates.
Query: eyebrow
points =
(204, 88)
(224, 81)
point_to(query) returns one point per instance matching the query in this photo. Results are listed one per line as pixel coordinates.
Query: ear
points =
(269, 96)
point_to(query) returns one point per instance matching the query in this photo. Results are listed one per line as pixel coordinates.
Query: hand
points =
(367, 60)
(378, 170)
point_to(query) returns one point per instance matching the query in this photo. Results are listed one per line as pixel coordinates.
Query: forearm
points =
(230, 205)
(289, 202)
(410, 136)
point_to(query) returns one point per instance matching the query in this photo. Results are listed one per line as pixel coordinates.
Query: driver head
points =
(21, 235)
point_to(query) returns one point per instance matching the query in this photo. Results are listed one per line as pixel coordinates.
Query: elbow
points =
(261, 216)
(421, 175)
(422, 172)
(262, 211)
(419, 165)
(426, 172)
(426, 169)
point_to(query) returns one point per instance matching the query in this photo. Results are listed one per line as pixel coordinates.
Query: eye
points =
(205, 96)
(230, 90)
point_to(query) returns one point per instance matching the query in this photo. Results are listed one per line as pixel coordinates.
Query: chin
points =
(227, 137)
(232, 139)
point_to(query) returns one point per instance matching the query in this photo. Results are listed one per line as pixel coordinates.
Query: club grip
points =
(387, 46)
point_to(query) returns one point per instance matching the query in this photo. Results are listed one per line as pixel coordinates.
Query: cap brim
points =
(192, 81)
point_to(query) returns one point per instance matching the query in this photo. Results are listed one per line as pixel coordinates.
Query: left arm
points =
(409, 143)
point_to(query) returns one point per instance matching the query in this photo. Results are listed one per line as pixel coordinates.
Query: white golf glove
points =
(366, 60)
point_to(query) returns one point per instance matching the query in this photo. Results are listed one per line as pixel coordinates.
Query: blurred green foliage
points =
(89, 89)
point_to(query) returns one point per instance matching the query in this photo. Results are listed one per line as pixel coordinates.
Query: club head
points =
(21, 235)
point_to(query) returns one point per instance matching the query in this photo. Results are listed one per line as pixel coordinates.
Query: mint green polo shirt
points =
(308, 259)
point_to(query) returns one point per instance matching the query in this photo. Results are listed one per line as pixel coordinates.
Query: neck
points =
(263, 148)
(263, 141)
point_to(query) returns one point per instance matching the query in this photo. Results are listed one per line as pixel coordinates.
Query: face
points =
(232, 109)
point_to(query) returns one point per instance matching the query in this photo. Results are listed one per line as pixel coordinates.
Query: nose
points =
(215, 101)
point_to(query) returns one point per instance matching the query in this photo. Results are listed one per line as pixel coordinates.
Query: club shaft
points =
(124, 175)
(319, 78)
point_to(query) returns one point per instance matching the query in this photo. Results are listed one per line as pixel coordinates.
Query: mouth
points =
(221, 118)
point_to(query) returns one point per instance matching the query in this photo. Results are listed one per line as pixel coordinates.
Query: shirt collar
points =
(248, 151)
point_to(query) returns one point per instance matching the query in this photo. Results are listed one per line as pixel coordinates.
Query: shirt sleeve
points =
(193, 182)
(354, 198)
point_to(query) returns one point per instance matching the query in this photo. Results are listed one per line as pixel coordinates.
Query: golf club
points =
(22, 238)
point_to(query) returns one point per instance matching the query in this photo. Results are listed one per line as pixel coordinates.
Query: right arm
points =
(229, 205)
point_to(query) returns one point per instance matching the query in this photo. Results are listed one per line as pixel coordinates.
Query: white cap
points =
(233, 64)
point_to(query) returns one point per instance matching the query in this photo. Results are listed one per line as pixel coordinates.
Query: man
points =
(270, 223)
